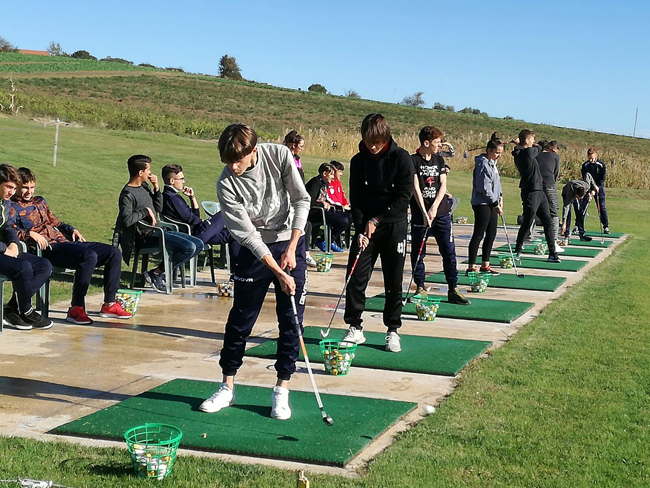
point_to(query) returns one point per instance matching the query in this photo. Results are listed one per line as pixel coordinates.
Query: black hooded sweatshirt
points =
(531, 178)
(381, 185)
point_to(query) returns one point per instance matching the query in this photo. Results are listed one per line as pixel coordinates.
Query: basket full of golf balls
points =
(225, 289)
(129, 300)
(478, 282)
(153, 449)
(461, 220)
(540, 247)
(337, 356)
(324, 262)
(505, 261)
(426, 307)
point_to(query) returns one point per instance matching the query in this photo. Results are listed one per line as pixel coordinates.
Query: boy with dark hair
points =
(597, 170)
(381, 185)
(265, 206)
(138, 201)
(338, 221)
(573, 194)
(532, 193)
(26, 272)
(35, 223)
(549, 168)
(430, 214)
(209, 231)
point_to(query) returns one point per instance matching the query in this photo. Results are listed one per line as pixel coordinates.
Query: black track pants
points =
(535, 203)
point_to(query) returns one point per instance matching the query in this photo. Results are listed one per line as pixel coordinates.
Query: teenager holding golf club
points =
(265, 206)
(381, 185)
(533, 198)
(430, 213)
(572, 196)
(549, 167)
(596, 168)
(487, 203)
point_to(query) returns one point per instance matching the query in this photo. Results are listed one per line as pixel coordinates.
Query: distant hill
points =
(121, 96)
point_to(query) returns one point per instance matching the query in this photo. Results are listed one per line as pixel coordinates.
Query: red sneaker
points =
(77, 315)
(114, 311)
(489, 269)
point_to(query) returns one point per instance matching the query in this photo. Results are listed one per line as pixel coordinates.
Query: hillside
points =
(201, 106)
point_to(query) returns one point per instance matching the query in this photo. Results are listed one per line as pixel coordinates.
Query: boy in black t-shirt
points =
(430, 213)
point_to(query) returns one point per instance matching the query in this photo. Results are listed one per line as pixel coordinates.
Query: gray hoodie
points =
(570, 190)
(486, 184)
(266, 202)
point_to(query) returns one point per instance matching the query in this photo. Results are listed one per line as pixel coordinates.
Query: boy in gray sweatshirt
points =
(265, 205)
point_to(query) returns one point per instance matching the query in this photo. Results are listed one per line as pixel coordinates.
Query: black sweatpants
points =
(389, 243)
(535, 203)
(27, 274)
(485, 224)
(252, 280)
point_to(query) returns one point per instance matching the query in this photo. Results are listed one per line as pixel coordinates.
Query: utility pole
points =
(56, 142)
(635, 117)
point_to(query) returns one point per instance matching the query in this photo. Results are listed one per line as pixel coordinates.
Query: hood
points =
(390, 147)
(517, 150)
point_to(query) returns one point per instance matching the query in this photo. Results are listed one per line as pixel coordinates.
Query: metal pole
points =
(635, 117)
(56, 142)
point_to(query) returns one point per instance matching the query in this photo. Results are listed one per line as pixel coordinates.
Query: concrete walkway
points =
(52, 377)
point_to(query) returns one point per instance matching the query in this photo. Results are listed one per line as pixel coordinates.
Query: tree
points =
(229, 69)
(55, 49)
(6, 46)
(82, 54)
(352, 94)
(414, 100)
(317, 88)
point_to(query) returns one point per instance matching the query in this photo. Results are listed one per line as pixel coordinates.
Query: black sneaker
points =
(11, 319)
(585, 238)
(34, 319)
(156, 281)
(553, 258)
(456, 297)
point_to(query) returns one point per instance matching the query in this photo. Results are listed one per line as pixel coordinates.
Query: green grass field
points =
(565, 403)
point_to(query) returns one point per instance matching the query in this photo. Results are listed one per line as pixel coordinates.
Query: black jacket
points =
(316, 187)
(7, 230)
(549, 168)
(597, 170)
(381, 185)
(531, 178)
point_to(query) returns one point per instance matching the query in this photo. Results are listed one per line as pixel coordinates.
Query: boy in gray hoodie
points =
(265, 205)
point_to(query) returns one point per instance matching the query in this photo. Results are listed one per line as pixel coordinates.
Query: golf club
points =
(424, 240)
(602, 234)
(512, 256)
(326, 418)
(354, 265)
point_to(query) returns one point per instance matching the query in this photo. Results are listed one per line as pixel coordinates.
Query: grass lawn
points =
(565, 403)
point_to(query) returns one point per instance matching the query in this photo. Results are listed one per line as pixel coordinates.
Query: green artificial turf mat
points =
(577, 253)
(597, 233)
(508, 280)
(420, 354)
(593, 243)
(247, 427)
(480, 308)
(541, 263)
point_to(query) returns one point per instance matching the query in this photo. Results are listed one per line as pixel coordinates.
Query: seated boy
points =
(210, 231)
(138, 201)
(26, 272)
(35, 223)
(318, 189)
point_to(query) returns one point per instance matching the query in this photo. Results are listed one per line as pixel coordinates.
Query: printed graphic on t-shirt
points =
(431, 177)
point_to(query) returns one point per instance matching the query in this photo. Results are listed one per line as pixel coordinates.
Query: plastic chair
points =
(157, 248)
(184, 227)
(213, 208)
(3, 278)
(327, 235)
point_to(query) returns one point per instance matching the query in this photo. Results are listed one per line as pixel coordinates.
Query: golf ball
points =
(429, 409)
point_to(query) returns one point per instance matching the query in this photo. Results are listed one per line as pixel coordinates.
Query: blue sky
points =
(580, 64)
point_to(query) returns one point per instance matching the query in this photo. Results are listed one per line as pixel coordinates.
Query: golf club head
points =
(327, 419)
(324, 334)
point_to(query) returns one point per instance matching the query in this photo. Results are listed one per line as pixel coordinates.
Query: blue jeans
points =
(442, 231)
(180, 247)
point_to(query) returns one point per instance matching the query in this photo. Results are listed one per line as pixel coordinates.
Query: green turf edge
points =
(446, 356)
(508, 281)
(365, 418)
(570, 265)
(580, 252)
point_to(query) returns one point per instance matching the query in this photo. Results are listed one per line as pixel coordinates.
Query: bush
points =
(352, 94)
(147, 65)
(229, 69)
(414, 100)
(117, 60)
(440, 106)
(81, 54)
(317, 88)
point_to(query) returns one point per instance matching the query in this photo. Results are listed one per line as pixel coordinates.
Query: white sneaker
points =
(311, 262)
(222, 398)
(558, 248)
(393, 342)
(354, 335)
(280, 409)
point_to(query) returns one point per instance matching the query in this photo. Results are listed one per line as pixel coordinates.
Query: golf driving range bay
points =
(91, 384)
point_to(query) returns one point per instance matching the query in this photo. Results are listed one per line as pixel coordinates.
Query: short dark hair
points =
(170, 169)
(429, 133)
(337, 165)
(9, 174)
(137, 163)
(292, 138)
(325, 168)
(494, 142)
(523, 135)
(581, 191)
(375, 128)
(236, 142)
(26, 175)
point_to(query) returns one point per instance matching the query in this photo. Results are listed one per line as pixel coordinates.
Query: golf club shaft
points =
(424, 240)
(354, 265)
(602, 235)
(512, 256)
(304, 353)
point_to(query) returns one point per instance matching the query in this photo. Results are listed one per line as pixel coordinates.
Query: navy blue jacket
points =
(597, 170)
(175, 207)
(7, 230)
